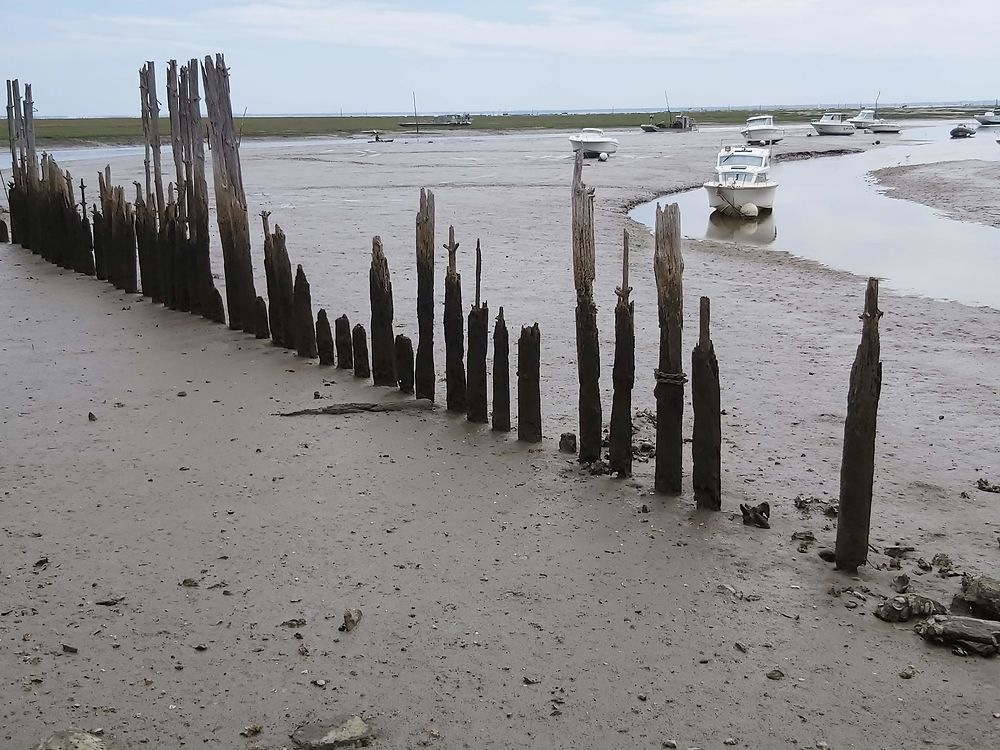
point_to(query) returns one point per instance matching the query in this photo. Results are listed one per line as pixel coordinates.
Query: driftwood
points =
(501, 375)
(969, 633)
(906, 606)
(622, 376)
(529, 398)
(420, 404)
(324, 339)
(981, 594)
(383, 341)
(588, 353)
(479, 317)
(668, 267)
(857, 468)
(359, 343)
(345, 347)
(425, 296)
(261, 328)
(404, 363)
(305, 330)
(454, 331)
(706, 444)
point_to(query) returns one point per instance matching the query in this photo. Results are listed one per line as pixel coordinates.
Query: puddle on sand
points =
(828, 210)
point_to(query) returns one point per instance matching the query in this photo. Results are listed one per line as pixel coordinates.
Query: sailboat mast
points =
(416, 120)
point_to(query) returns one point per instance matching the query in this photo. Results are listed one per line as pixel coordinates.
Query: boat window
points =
(738, 178)
(740, 160)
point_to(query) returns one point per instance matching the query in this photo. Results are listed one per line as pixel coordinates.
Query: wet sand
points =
(967, 190)
(477, 561)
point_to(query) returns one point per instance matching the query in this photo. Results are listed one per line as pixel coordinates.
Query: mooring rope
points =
(670, 378)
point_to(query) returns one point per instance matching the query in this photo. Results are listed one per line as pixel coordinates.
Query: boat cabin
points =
(760, 121)
(863, 117)
(833, 117)
(743, 165)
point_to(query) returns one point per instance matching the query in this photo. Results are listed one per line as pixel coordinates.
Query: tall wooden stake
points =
(857, 468)
(588, 353)
(706, 443)
(479, 317)
(454, 330)
(501, 375)
(359, 343)
(668, 267)
(305, 328)
(529, 398)
(425, 296)
(623, 376)
(383, 342)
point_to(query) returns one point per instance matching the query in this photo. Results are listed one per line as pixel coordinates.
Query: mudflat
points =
(967, 190)
(197, 552)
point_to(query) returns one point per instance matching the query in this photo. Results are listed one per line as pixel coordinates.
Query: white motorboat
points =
(833, 123)
(742, 186)
(863, 118)
(989, 117)
(593, 142)
(761, 129)
(883, 126)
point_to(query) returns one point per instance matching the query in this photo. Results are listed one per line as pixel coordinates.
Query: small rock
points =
(670, 744)
(348, 732)
(909, 672)
(759, 515)
(803, 536)
(986, 486)
(74, 739)
(822, 746)
(828, 554)
(351, 619)
(67, 649)
(901, 583)
(729, 741)
(181, 394)
(775, 674)
(643, 697)
(742, 646)
(295, 622)
(567, 442)
(91, 416)
(644, 508)
(252, 730)
(897, 550)
(190, 583)
(531, 680)
(598, 468)
(924, 565)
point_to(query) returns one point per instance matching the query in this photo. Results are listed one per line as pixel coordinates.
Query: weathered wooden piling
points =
(280, 287)
(404, 363)
(588, 353)
(425, 379)
(203, 288)
(380, 294)
(230, 198)
(345, 348)
(479, 317)
(857, 468)
(324, 340)
(4, 236)
(261, 328)
(305, 331)
(147, 246)
(668, 267)
(501, 375)
(529, 397)
(622, 376)
(454, 330)
(706, 443)
(359, 342)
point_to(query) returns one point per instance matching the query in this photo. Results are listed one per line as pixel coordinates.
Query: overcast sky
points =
(321, 56)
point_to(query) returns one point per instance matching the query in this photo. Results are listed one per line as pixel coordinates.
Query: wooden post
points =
(425, 380)
(668, 267)
(623, 376)
(857, 468)
(706, 444)
(230, 198)
(404, 363)
(153, 105)
(271, 282)
(197, 194)
(147, 245)
(4, 237)
(454, 330)
(501, 375)
(529, 397)
(281, 310)
(262, 329)
(380, 293)
(359, 342)
(587, 343)
(345, 348)
(305, 332)
(479, 317)
(324, 339)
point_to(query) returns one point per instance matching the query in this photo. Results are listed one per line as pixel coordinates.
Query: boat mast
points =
(416, 120)
(875, 117)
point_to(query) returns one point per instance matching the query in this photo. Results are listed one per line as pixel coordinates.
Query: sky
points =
(355, 56)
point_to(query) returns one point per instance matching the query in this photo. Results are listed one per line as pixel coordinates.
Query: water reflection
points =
(760, 231)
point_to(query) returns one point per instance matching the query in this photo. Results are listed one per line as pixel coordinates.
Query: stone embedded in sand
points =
(567, 442)
(74, 739)
(348, 732)
(351, 619)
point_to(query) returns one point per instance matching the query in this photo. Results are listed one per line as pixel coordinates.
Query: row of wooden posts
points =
(159, 243)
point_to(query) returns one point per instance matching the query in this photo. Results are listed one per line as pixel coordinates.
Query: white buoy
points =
(603, 156)
(749, 211)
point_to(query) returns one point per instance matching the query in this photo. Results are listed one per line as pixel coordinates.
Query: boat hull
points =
(593, 147)
(988, 119)
(884, 127)
(834, 128)
(763, 135)
(730, 199)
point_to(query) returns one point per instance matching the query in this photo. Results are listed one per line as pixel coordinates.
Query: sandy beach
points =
(509, 598)
(967, 190)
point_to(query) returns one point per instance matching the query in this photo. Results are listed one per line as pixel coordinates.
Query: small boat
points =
(833, 123)
(680, 122)
(593, 142)
(742, 186)
(651, 127)
(989, 117)
(379, 139)
(962, 130)
(883, 126)
(760, 129)
(862, 119)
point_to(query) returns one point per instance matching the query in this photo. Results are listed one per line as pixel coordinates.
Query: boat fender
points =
(603, 156)
(749, 211)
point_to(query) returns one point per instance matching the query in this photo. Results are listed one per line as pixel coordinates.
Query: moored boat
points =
(593, 142)
(742, 186)
(761, 129)
(883, 126)
(863, 119)
(833, 123)
(963, 130)
(989, 117)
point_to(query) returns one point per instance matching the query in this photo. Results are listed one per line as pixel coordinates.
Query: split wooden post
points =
(479, 317)
(587, 343)
(404, 363)
(305, 331)
(324, 339)
(501, 375)
(454, 330)
(281, 312)
(623, 376)
(425, 379)
(706, 443)
(359, 342)
(383, 341)
(529, 397)
(230, 198)
(857, 468)
(668, 267)
(345, 347)
(197, 196)
(271, 281)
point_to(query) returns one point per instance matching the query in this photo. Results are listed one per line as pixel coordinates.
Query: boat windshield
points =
(759, 121)
(741, 160)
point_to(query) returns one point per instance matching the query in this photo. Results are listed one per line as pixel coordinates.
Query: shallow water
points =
(830, 210)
